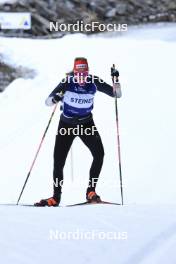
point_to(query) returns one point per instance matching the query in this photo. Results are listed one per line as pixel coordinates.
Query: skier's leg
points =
(61, 149)
(94, 143)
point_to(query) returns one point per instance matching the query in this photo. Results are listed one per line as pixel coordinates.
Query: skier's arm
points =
(57, 94)
(106, 88)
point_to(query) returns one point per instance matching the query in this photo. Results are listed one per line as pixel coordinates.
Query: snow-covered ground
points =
(146, 61)
(89, 234)
(7, 1)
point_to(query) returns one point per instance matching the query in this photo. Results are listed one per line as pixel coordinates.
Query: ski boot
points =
(48, 202)
(92, 197)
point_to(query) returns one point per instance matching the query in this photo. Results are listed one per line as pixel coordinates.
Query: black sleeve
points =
(103, 86)
(60, 88)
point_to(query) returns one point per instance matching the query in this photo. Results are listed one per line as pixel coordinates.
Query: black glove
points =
(114, 74)
(56, 98)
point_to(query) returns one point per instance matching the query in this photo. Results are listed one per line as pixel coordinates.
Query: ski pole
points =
(36, 155)
(71, 164)
(118, 134)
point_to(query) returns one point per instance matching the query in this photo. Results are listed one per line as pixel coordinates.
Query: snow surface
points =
(7, 1)
(26, 237)
(146, 60)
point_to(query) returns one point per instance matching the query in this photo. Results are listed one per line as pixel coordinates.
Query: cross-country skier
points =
(76, 92)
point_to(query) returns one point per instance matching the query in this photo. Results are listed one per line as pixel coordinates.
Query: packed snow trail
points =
(144, 234)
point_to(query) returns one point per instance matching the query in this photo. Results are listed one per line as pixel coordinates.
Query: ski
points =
(93, 203)
(69, 205)
(13, 204)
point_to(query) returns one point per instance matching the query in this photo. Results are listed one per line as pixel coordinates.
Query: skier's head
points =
(81, 70)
